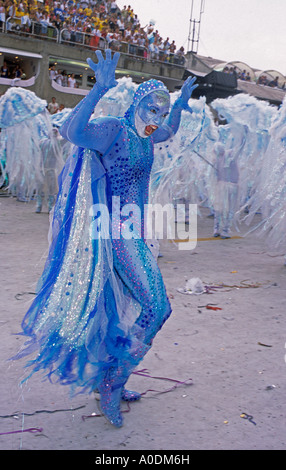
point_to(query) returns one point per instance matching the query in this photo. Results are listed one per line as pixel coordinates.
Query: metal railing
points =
(142, 52)
(74, 37)
(32, 28)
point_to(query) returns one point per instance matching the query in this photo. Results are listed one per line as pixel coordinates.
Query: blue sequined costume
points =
(101, 299)
(99, 302)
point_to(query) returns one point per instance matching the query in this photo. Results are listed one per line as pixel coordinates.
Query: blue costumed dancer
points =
(101, 298)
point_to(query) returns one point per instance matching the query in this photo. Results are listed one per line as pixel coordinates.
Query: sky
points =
(249, 31)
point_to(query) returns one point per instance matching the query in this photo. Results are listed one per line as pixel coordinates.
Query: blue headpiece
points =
(142, 91)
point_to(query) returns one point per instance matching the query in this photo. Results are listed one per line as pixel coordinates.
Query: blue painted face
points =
(151, 112)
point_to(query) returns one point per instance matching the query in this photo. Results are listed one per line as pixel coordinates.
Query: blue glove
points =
(104, 70)
(186, 93)
(77, 128)
(171, 126)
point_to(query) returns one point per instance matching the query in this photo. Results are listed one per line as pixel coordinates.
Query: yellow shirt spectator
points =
(88, 11)
(19, 13)
(99, 23)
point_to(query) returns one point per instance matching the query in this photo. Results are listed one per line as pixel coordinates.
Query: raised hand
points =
(187, 90)
(104, 69)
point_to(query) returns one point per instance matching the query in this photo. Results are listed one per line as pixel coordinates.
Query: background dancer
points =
(31, 154)
(24, 120)
(226, 190)
(51, 147)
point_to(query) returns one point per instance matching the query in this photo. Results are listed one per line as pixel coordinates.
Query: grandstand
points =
(31, 51)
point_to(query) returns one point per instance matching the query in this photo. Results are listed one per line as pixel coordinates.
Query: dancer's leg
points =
(229, 211)
(217, 218)
(51, 180)
(39, 201)
(139, 271)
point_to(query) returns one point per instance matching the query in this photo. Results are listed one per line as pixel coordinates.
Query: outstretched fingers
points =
(100, 59)
(107, 55)
(105, 68)
(116, 58)
(91, 64)
(191, 80)
(188, 88)
(94, 66)
(190, 83)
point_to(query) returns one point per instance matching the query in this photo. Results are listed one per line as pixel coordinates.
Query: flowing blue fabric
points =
(82, 320)
(101, 299)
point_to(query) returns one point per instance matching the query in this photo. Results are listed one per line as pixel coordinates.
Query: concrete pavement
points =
(234, 352)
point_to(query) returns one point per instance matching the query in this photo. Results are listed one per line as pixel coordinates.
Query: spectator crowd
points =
(96, 24)
(16, 72)
(53, 107)
(93, 23)
(262, 79)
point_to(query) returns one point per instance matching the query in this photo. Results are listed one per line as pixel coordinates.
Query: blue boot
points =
(130, 395)
(110, 390)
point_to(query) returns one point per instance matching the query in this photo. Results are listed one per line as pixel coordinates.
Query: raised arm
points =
(172, 123)
(77, 128)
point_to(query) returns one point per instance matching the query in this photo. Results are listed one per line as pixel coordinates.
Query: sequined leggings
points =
(139, 271)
